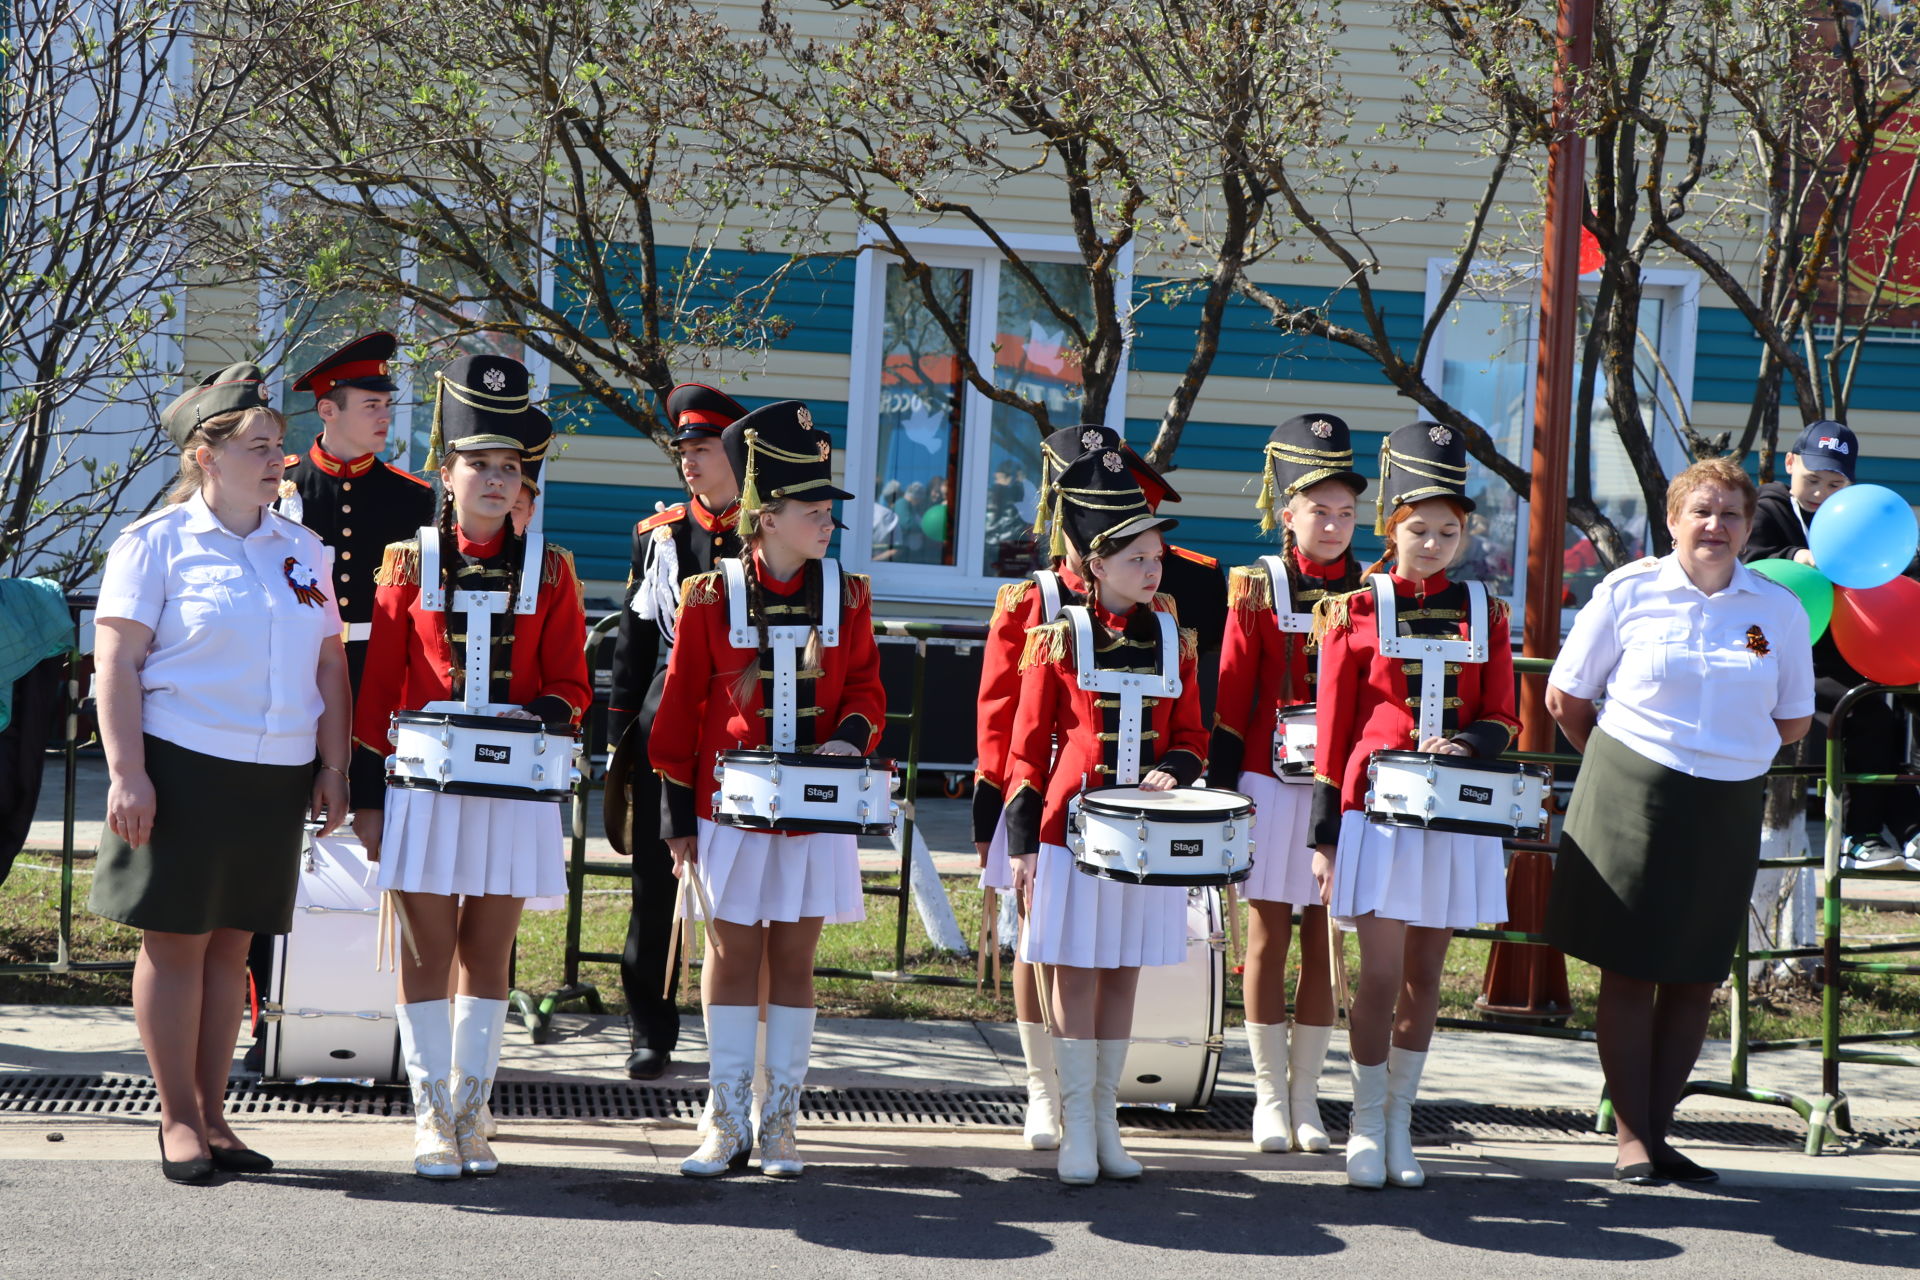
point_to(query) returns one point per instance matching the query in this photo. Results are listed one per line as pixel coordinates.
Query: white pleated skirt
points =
(466, 846)
(1090, 923)
(759, 877)
(1282, 859)
(1435, 879)
(998, 873)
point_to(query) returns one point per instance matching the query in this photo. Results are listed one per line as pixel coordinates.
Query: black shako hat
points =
(1061, 449)
(481, 402)
(1419, 461)
(236, 387)
(698, 412)
(1302, 451)
(776, 452)
(1100, 503)
(364, 363)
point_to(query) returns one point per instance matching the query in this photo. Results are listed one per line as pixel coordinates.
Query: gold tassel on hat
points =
(750, 491)
(1264, 504)
(1380, 498)
(1057, 542)
(437, 439)
(1046, 493)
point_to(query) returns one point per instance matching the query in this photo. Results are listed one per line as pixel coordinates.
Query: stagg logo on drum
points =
(1476, 795)
(815, 793)
(1187, 848)
(488, 753)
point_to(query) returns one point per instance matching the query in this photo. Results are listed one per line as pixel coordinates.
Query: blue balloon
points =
(1863, 536)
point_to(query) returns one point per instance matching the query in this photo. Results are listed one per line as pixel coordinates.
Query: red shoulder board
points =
(406, 475)
(678, 511)
(1194, 556)
(291, 461)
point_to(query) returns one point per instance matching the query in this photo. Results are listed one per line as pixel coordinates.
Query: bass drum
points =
(329, 1011)
(1179, 1017)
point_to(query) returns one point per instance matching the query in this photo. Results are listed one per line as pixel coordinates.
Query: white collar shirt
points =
(238, 624)
(1691, 681)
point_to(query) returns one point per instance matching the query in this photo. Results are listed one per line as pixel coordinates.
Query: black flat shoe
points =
(1644, 1174)
(240, 1160)
(1680, 1169)
(648, 1064)
(198, 1169)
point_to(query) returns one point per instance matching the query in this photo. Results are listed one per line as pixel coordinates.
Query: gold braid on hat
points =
(437, 439)
(750, 501)
(1448, 481)
(1132, 501)
(1330, 462)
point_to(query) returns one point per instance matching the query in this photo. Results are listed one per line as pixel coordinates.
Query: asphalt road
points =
(106, 1219)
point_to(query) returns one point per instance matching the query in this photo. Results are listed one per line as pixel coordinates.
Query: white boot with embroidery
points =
(426, 1045)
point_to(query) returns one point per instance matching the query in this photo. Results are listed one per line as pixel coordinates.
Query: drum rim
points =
(1458, 826)
(1197, 880)
(801, 826)
(1506, 768)
(1297, 710)
(1120, 809)
(804, 760)
(481, 790)
(465, 720)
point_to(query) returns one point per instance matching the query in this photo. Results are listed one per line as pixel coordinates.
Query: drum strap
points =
(785, 643)
(1433, 652)
(1130, 686)
(1297, 623)
(1050, 602)
(479, 606)
(433, 594)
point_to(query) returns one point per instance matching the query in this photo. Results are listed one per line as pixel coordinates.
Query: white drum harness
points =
(785, 643)
(1433, 652)
(1129, 686)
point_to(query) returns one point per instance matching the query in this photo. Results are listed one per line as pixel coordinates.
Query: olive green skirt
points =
(224, 852)
(1655, 867)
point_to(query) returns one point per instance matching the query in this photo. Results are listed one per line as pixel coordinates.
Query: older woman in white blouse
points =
(1705, 669)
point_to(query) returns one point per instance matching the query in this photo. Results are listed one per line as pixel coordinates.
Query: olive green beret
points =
(236, 387)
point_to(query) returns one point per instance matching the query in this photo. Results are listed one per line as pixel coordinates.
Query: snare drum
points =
(1294, 736)
(329, 1012)
(1186, 836)
(1179, 1017)
(1457, 793)
(463, 754)
(792, 791)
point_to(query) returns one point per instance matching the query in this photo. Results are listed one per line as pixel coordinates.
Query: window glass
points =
(922, 421)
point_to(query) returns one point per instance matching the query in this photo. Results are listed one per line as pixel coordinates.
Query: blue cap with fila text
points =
(1828, 446)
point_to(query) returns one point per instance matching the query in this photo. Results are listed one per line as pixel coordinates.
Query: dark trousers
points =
(643, 964)
(1876, 742)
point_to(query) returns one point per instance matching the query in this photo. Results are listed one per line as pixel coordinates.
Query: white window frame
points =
(1679, 289)
(967, 581)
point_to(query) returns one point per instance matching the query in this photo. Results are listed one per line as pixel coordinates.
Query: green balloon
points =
(1809, 584)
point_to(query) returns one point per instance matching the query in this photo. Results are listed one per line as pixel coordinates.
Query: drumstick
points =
(1040, 981)
(989, 908)
(1232, 903)
(673, 947)
(1336, 956)
(706, 908)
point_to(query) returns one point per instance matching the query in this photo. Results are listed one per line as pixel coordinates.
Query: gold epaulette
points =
(1008, 598)
(1166, 604)
(702, 588)
(1249, 588)
(550, 565)
(856, 590)
(1047, 643)
(400, 566)
(1189, 644)
(1498, 610)
(1333, 614)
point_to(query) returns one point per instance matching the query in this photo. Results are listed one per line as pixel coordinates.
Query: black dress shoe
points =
(648, 1064)
(1644, 1174)
(240, 1160)
(198, 1169)
(1680, 1169)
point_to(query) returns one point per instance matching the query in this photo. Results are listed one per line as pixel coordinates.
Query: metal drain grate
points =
(1231, 1113)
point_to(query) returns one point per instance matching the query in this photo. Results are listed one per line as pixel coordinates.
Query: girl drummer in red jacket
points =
(1092, 934)
(1405, 889)
(727, 689)
(1268, 663)
(461, 866)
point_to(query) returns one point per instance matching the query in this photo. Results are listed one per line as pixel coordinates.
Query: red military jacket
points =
(1368, 702)
(1053, 706)
(1016, 611)
(701, 715)
(1263, 668)
(410, 656)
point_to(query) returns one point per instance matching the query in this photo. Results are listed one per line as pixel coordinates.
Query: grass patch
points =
(29, 907)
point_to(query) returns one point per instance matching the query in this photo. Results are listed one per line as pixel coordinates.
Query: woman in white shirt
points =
(1706, 670)
(224, 712)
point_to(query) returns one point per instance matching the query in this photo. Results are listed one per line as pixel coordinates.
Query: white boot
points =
(426, 1044)
(729, 1136)
(1272, 1126)
(1076, 1062)
(1114, 1160)
(789, 1046)
(1306, 1056)
(1403, 1082)
(759, 1080)
(1043, 1097)
(477, 1029)
(1366, 1131)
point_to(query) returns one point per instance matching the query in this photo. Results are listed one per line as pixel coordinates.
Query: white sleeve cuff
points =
(131, 608)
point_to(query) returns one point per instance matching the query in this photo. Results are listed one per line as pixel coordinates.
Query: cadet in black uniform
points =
(669, 547)
(358, 504)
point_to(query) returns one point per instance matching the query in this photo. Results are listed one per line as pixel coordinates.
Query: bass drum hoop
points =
(481, 790)
(500, 724)
(1212, 880)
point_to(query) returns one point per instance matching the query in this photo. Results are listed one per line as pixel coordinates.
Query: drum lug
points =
(1518, 823)
(1226, 832)
(446, 770)
(866, 779)
(392, 765)
(540, 743)
(1367, 802)
(775, 779)
(1433, 776)
(1373, 771)
(1545, 820)
(573, 779)
(866, 813)
(271, 1011)
(718, 769)
(1140, 831)
(1433, 802)
(539, 773)
(393, 729)
(773, 805)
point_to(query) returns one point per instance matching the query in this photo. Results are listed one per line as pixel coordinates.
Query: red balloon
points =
(1875, 628)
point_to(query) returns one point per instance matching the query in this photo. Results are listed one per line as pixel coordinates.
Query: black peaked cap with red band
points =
(365, 364)
(698, 412)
